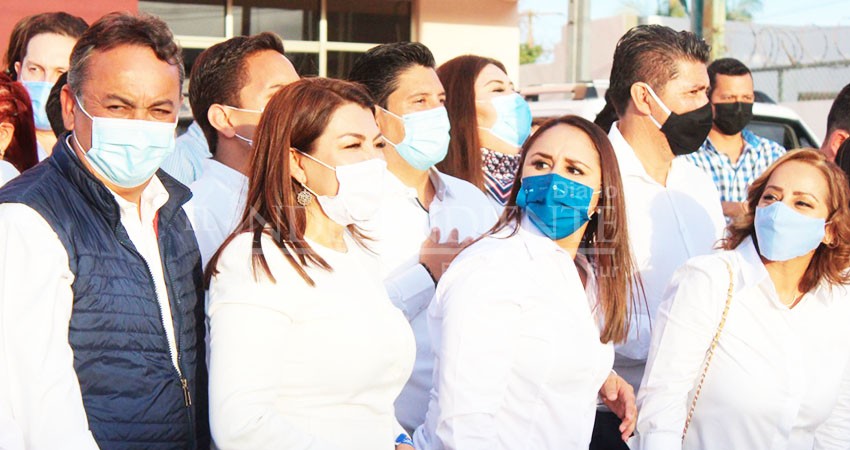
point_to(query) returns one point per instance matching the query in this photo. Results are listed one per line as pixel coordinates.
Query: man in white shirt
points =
(186, 163)
(230, 85)
(658, 89)
(837, 124)
(39, 51)
(101, 330)
(421, 204)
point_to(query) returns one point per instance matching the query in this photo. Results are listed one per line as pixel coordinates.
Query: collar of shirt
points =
(751, 143)
(754, 273)
(153, 197)
(441, 189)
(630, 165)
(228, 175)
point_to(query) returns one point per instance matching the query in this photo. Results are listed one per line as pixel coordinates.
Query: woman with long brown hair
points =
(306, 350)
(489, 124)
(524, 320)
(750, 349)
(17, 132)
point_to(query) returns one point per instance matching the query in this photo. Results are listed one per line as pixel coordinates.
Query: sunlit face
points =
(684, 93)
(732, 89)
(569, 152)
(351, 136)
(800, 186)
(47, 57)
(491, 82)
(419, 89)
(267, 71)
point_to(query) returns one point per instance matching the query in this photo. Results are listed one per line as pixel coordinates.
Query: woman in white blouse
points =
(524, 320)
(779, 377)
(306, 350)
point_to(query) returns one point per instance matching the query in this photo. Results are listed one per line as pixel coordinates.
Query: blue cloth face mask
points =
(127, 152)
(513, 119)
(39, 92)
(426, 137)
(785, 234)
(556, 205)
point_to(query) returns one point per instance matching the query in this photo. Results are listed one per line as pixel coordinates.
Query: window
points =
(322, 37)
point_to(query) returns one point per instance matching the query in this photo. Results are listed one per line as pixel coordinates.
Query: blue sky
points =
(785, 12)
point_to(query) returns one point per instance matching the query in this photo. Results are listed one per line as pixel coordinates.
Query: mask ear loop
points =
(660, 103)
(399, 118)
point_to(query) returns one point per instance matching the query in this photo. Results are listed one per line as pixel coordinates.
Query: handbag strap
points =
(711, 348)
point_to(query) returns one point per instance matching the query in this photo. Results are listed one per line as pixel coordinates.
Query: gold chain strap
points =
(710, 353)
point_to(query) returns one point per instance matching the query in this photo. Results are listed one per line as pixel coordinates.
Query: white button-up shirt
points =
(301, 367)
(519, 363)
(667, 226)
(400, 228)
(41, 405)
(186, 162)
(779, 378)
(218, 201)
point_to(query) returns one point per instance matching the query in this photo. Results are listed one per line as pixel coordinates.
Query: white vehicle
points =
(586, 99)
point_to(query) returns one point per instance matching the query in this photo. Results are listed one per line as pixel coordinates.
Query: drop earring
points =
(304, 197)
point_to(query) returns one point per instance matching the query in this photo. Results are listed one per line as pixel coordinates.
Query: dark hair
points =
(220, 73)
(53, 22)
(379, 68)
(839, 112)
(650, 53)
(295, 117)
(830, 262)
(54, 106)
(118, 29)
(458, 76)
(725, 66)
(607, 116)
(606, 238)
(16, 108)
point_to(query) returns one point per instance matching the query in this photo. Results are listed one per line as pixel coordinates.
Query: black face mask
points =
(731, 118)
(685, 132)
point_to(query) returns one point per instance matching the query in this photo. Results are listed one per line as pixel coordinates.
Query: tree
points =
(742, 10)
(528, 54)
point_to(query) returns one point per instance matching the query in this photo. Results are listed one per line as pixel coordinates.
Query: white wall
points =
(481, 27)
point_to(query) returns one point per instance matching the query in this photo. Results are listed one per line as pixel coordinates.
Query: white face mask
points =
(248, 141)
(360, 191)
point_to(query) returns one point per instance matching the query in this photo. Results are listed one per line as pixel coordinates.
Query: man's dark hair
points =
(54, 106)
(220, 73)
(379, 68)
(53, 22)
(119, 29)
(839, 112)
(651, 53)
(725, 66)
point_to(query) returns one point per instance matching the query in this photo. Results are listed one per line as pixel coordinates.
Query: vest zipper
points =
(183, 382)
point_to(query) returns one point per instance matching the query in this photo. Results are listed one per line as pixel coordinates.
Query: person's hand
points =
(619, 396)
(436, 256)
(404, 447)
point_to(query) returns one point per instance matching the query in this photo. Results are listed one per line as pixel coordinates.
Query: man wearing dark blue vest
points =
(101, 311)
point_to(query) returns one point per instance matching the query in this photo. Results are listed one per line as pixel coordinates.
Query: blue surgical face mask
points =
(556, 205)
(426, 137)
(39, 92)
(785, 234)
(127, 152)
(513, 119)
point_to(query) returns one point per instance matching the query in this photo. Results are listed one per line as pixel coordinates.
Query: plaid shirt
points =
(732, 180)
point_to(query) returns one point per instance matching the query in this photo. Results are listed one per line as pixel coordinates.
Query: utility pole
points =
(708, 21)
(579, 22)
